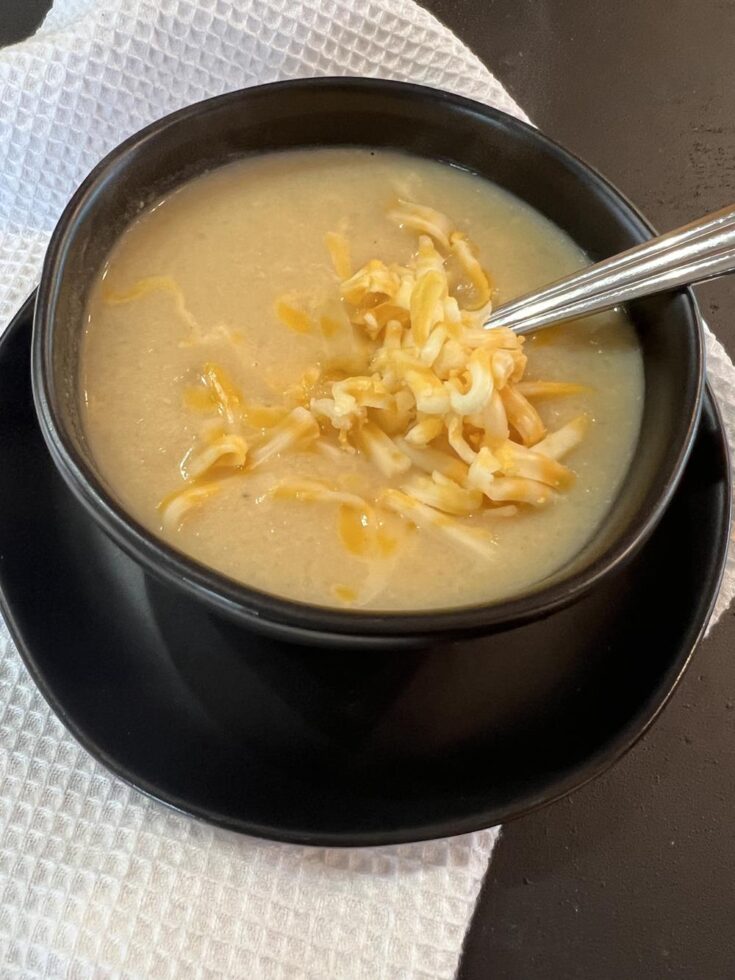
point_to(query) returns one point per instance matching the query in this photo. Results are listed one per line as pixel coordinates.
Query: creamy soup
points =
(284, 376)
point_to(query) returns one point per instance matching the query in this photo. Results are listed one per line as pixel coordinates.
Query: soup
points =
(284, 376)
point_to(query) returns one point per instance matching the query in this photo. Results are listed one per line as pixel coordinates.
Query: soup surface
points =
(218, 332)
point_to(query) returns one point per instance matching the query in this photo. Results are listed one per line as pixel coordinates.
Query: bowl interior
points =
(399, 117)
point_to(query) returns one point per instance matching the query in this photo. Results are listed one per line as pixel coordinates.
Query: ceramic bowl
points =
(396, 116)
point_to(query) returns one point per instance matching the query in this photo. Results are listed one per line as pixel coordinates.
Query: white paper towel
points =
(96, 880)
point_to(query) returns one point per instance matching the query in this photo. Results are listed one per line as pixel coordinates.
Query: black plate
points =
(330, 747)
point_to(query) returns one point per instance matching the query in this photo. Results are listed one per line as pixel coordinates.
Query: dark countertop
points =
(632, 876)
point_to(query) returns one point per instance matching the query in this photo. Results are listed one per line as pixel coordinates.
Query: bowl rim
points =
(244, 602)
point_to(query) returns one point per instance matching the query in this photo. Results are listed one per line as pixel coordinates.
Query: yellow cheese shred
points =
(294, 319)
(346, 594)
(339, 251)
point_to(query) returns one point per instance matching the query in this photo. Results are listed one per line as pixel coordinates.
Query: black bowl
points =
(331, 112)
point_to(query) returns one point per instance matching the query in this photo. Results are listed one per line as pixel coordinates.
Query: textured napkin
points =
(97, 880)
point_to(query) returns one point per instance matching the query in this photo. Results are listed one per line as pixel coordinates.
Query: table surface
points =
(632, 876)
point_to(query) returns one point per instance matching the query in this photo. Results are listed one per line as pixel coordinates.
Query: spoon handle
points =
(701, 250)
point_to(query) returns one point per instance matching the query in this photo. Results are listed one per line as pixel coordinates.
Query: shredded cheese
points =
(434, 402)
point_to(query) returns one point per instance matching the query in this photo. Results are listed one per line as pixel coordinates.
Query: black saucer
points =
(331, 747)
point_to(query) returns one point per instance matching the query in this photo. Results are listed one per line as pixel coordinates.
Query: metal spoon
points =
(701, 250)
